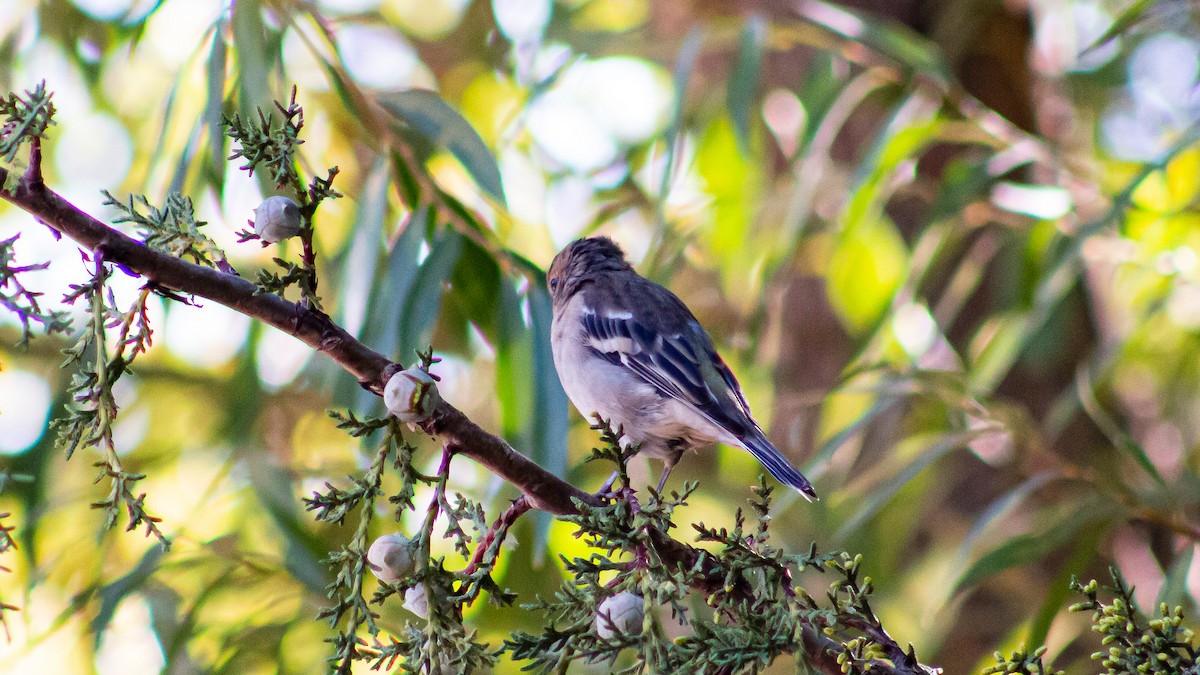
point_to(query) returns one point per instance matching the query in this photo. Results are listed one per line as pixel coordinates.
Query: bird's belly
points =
(616, 394)
(597, 386)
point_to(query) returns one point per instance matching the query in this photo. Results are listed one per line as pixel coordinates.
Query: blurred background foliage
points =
(950, 248)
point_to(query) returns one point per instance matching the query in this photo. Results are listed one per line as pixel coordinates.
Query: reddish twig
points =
(542, 489)
(497, 532)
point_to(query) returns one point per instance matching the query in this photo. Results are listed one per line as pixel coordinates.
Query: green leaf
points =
(1111, 428)
(276, 489)
(1086, 548)
(996, 347)
(406, 183)
(217, 60)
(822, 85)
(1131, 16)
(904, 139)
(688, 54)
(878, 495)
(892, 40)
(533, 406)
(963, 182)
(475, 284)
(424, 300)
(1001, 507)
(743, 80)
(816, 467)
(348, 94)
(1026, 548)
(362, 256)
(442, 125)
(994, 511)
(251, 42)
(112, 594)
(548, 433)
(393, 289)
(513, 364)
(245, 397)
(388, 293)
(1174, 590)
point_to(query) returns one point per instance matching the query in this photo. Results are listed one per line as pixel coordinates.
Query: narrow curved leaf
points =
(1130, 17)
(112, 594)
(879, 495)
(1086, 548)
(1118, 436)
(743, 81)
(892, 40)
(388, 292)
(688, 54)
(218, 57)
(251, 42)
(1025, 548)
(476, 283)
(424, 300)
(362, 258)
(1174, 590)
(548, 432)
(433, 118)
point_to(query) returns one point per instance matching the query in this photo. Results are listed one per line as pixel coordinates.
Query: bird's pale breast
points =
(619, 395)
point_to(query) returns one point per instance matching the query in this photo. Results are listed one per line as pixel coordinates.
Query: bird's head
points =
(581, 259)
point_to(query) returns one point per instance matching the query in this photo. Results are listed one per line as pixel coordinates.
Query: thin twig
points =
(497, 532)
(459, 434)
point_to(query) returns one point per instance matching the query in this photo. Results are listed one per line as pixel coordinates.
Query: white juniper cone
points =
(625, 613)
(411, 395)
(391, 557)
(416, 602)
(276, 219)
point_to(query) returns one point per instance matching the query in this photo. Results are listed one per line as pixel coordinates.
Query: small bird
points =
(630, 351)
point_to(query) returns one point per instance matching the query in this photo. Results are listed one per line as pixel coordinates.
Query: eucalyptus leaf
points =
(361, 258)
(893, 40)
(549, 422)
(429, 115)
(684, 64)
(424, 299)
(112, 594)
(743, 81)
(218, 57)
(1174, 590)
(475, 284)
(251, 42)
(937, 446)
(1023, 548)
(1086, 549)
(389, 289)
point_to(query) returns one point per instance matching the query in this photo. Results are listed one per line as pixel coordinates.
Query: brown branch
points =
(541, 489)
(546, 491)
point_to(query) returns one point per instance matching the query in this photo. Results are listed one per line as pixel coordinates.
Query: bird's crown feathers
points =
(581, 258)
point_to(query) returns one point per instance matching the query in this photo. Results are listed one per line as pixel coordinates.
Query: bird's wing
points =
(643, 327)
(664, 345)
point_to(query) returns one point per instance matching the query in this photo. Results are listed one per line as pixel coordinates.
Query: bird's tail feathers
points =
(778, 465)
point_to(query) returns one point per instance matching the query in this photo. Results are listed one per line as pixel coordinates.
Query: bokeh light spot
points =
(377, 56)
(280, 358)
(205, 337)
(24, 407)
(522, 20)
(130, 646)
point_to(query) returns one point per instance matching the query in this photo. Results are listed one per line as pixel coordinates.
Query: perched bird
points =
(630, 351)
